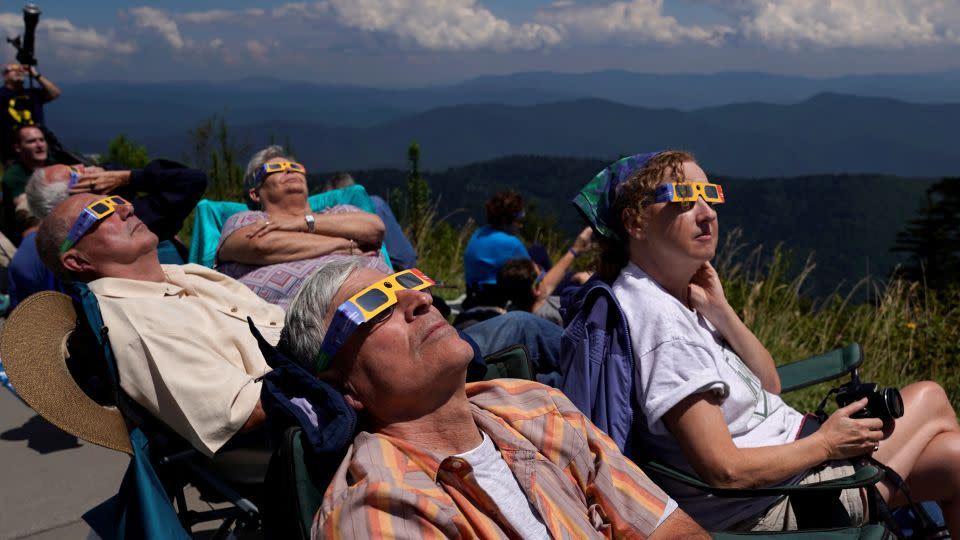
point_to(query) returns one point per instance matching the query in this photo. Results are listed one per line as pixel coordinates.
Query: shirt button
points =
(233, 309)
(273, 323)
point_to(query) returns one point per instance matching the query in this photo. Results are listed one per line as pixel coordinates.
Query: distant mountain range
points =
(743, 124)
(848, 222)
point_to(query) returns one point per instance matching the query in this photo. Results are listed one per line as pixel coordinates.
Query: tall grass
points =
(907, 332)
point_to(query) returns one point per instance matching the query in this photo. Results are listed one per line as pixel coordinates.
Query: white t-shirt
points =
(679, 353)
(494, 476)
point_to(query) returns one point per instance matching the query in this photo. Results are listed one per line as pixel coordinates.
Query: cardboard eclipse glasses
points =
(369, 305)
(688, 192)
(91, 215)
(267, 169)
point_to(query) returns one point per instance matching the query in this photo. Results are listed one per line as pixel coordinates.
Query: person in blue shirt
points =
(492, 245)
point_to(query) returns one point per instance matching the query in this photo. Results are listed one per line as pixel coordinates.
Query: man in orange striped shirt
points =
(441, 459)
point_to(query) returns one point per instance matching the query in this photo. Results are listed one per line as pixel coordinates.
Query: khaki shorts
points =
(781, 516)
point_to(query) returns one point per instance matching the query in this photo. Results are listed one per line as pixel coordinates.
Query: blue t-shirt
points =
(486, 252)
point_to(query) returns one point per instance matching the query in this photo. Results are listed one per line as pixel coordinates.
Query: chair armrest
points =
(822, 367)
(867, 532)
(866, 475)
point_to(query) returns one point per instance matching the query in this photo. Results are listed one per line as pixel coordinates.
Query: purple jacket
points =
(597, 362)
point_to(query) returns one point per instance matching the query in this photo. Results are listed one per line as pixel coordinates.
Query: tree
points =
(932, 239)
(215, 151)
(123, 151)
(414, 208)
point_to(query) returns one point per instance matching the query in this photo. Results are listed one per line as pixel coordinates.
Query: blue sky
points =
(420, 42)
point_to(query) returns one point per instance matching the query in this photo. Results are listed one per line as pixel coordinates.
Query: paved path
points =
(48, 479)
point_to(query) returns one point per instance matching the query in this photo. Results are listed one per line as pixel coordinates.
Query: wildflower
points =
(911, 325)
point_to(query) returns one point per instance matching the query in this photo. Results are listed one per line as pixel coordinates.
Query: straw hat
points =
(33, 347)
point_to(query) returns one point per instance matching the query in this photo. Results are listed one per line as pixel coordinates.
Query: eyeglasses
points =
(372, 304)
(90, 216)
(269, 168)
(688, 193)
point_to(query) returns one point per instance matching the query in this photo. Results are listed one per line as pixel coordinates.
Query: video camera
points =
(31, 16)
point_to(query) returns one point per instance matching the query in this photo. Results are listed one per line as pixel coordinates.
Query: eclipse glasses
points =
(267, 169)
(372, 304)
(94, 213)
(689, 192)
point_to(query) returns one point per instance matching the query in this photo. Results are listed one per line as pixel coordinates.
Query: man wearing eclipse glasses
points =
(180, 333)
(163, 193)
(437, 457)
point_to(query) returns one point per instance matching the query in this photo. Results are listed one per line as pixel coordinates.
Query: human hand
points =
(33, 71)
(579, 278)
(94, 181)
(583, 239)
(705, 292)
(846, 437)
(291, 224)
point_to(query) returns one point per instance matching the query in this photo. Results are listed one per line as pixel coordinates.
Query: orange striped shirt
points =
(570, 471)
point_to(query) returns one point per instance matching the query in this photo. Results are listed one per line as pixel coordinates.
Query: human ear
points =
(352, 401)
(632, 224)
(254, 194)
(75, 262)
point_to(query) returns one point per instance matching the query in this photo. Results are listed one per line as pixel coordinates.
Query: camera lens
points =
(893, 401)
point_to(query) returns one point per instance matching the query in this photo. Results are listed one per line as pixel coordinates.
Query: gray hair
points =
(43, 196)
(257, 161)
(51, 235)
(342, 180)
(304, 329)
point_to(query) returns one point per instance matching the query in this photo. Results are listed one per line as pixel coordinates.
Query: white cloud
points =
(631, 20)
(890, 24)
(256, 49)
(442, 24)
(216, 43)
(218, 15)
(154, 19)
(66, 40)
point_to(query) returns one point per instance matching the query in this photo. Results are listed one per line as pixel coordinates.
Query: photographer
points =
(700, 391)
(21, 106)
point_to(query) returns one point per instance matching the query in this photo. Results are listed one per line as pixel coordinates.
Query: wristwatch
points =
(311, 223)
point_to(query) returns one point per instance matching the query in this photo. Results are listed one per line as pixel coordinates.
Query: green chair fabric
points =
(820, 368)
(210, 216)
(867, 532)
(510, 363)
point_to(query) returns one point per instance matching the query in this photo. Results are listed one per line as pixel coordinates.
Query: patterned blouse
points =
(277, 283)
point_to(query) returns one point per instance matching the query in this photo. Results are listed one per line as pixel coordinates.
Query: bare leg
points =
(924, 449)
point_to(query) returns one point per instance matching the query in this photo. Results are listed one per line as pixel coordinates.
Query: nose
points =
(414, 304)
(125, 211)
(705, 212)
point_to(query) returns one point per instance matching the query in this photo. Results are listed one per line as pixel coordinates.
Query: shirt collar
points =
(135, 288)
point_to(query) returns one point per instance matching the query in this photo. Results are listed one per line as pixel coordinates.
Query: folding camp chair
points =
(210, 216)
(64, 370)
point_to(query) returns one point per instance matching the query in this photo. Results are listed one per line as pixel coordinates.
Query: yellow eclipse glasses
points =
(689, 192)
(94, 213)
(366, 306)
(269, 168)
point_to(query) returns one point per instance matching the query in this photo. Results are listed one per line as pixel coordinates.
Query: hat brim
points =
(33, 347)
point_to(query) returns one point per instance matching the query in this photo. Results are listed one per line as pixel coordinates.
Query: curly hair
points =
(503, 208)
(636, 190)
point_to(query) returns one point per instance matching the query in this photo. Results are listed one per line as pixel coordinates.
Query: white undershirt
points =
(493, 475)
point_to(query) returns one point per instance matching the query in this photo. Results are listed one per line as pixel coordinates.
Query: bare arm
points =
(53, 92)
(553, 276)
(257, 418)
(279, 246)
(699, 427)
(679, 525)
(706, 296)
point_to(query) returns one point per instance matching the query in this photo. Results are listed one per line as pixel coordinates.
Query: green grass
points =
(907, 333)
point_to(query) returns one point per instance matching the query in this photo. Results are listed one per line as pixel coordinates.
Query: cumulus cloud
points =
(154, 19)
(890, 24)
(441, 24)
(218, 15)
(68, 41)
